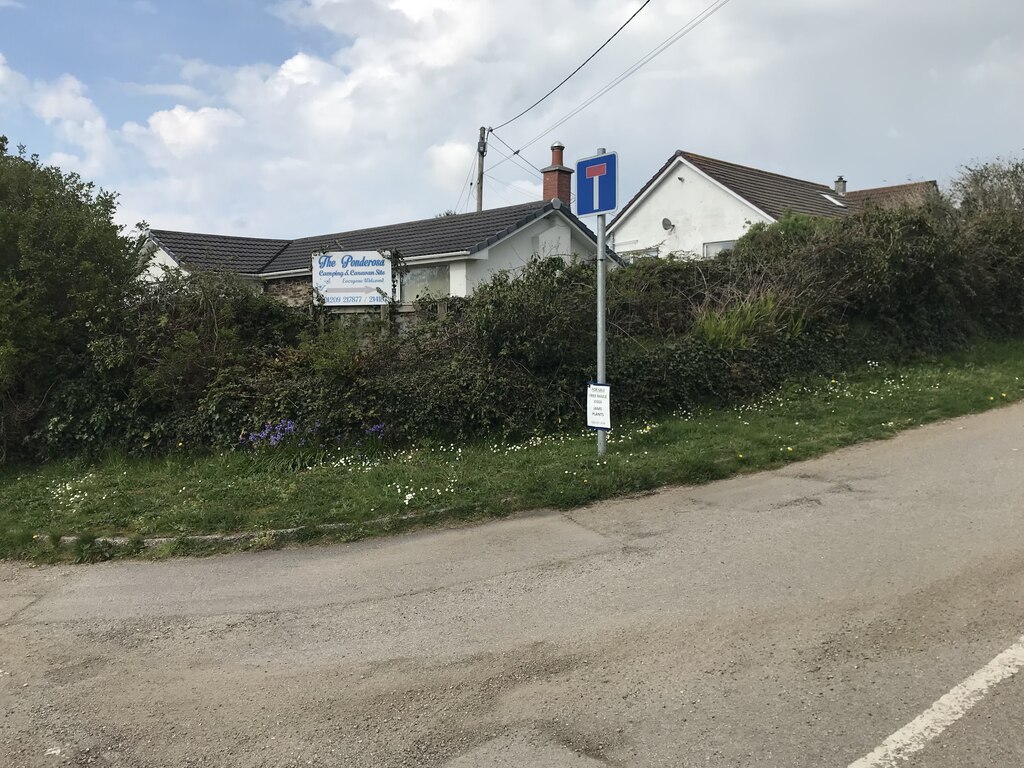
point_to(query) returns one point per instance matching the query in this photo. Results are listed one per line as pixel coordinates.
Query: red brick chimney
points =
(557, 177)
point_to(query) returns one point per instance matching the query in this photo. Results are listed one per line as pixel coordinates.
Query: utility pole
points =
(481, 152)
(602, 435)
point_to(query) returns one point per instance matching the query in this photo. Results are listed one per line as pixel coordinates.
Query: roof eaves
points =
(578, 223)
(438, 257)
(163, 247)
(539, 213)
(283, 273)
(510, 229)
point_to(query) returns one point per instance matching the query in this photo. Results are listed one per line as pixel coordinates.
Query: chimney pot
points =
(841, 187)
(557, 177)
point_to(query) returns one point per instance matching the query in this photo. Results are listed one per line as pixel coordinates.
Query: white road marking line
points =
(943, 713)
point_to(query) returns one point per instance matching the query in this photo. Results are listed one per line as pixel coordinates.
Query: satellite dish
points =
(667, 225)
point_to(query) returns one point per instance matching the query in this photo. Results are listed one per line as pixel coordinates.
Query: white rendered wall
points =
(457, 275)
(158, 262)
(701, 210)
(550, 236)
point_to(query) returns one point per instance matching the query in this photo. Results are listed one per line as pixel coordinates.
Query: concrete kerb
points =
(233, 538)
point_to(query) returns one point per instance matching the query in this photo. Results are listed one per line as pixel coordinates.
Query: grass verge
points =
(348, 497)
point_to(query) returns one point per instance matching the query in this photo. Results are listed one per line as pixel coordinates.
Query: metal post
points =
(481, 152)
(602, 436)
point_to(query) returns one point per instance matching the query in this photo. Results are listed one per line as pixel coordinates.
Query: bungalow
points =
(447, 255)
(700, 206)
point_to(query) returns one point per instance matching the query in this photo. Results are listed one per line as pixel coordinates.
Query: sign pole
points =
(602, 435)
(597, 194)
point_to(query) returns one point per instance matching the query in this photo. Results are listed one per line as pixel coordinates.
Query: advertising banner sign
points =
(353, 278)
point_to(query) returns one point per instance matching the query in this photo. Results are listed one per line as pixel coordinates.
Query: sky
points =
(287, 118)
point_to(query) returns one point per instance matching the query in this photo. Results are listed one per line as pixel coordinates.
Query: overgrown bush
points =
(155, 379)
(65, 272)
(94, 359)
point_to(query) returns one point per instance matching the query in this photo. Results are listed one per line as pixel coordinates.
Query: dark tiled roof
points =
(773, 193)
(778, 195)
(915, 193)
(427, 237)
(218, 253)
(462, 233)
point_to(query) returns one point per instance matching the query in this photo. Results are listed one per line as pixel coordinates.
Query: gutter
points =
(427, 259)
(449, 256)
(282, 275)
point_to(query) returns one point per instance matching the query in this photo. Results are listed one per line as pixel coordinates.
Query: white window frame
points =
(727, 245)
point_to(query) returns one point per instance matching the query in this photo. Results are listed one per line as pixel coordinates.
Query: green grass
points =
(236, 492)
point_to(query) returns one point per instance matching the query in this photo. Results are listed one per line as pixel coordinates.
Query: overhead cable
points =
(691, 25)
(515, 154)
(581, 66)
(467, 184)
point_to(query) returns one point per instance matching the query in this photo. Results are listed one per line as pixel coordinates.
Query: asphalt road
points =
(793, 618)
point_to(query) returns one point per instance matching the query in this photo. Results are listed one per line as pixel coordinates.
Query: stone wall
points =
(294, 291)
(298, 292)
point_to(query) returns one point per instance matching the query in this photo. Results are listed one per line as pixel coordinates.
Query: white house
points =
(698, 206)
(447, 255)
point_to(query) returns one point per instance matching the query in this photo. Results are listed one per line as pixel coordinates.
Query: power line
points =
(506, 158)
(691, 25)
(515, 154)
(465, 184)
(501, 197)
(516, 160)
(513, 187)
(581, 66)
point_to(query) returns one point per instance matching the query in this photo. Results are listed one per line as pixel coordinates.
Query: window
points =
(643, 253)
(420, 281)
(833, 200)
(713, 249)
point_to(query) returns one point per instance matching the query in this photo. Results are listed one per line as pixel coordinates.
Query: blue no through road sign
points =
(597, 184)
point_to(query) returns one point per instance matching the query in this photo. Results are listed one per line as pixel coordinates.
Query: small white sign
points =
(599, 406)
(352, 278)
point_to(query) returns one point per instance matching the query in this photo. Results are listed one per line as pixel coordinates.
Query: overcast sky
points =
(300, 117)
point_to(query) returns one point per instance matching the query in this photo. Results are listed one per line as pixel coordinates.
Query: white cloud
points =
(450, 163)
(76, 120)
(12, 84)
(1002, 60)
(179, 91)
(383, 127)
(182, 132)
(64, 99)
(11, 4)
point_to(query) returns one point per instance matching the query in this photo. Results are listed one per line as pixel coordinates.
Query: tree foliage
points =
(996, 186)
(65, 270)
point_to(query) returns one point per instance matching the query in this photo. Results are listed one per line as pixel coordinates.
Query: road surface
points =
(806, 617)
